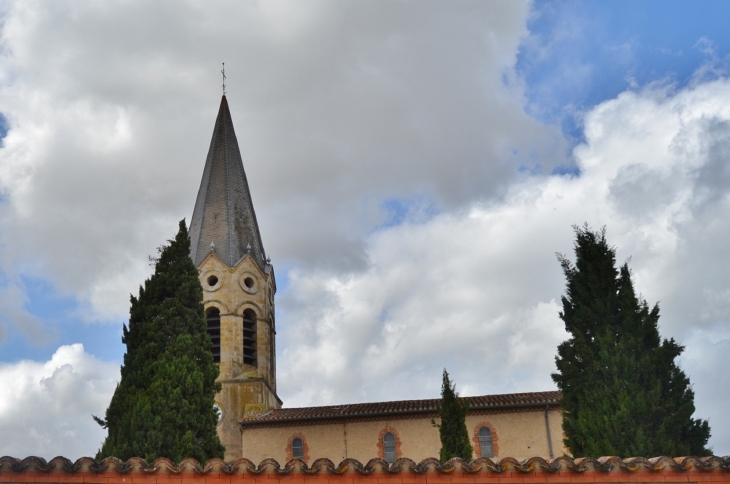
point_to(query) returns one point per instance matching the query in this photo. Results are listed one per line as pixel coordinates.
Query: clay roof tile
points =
(365, 410)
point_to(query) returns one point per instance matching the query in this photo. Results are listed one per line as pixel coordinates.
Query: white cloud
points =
(478, 291)
(46, 407)
(338, 106)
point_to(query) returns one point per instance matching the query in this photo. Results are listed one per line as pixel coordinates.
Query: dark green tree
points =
(452, 430)
(623, 393)
(163, 405)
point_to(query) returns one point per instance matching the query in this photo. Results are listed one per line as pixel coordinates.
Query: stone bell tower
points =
(238, 286)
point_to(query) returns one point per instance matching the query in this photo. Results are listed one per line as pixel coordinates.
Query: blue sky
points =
(64, 325)
(375, 141)
(581, 53)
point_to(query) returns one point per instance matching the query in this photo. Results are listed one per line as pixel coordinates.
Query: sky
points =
(415, 167)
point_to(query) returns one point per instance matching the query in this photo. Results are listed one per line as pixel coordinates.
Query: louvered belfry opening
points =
(213, 316)
(249, 337)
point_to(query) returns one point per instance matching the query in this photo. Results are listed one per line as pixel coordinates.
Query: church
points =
(239, 288)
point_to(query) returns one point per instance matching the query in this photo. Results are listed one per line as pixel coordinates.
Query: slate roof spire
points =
(224, 219)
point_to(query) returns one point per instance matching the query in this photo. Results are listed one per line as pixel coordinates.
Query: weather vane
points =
(223, 71)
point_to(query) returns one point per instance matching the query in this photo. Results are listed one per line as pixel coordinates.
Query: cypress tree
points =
(164, 404)
(623, 393)
(452, 430)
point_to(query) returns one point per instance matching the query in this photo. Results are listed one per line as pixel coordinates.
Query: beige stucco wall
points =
(522, 434)
(246, 389)
(519, 434)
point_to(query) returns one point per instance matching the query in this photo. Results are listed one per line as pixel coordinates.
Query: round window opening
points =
(212, 281)
(249, 282)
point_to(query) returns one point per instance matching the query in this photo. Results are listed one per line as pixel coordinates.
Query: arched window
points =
(389, 453)
(297, 448)
(389, 444)
(213, 316)
(485, 442)
(249, 337)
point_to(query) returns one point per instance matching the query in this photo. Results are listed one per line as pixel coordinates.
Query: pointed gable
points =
(224, 213)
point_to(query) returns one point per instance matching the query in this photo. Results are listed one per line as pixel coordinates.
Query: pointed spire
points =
(224, 218)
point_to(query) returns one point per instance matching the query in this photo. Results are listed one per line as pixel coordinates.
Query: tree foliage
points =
(164, 403)
(623, 394)
(452, 430)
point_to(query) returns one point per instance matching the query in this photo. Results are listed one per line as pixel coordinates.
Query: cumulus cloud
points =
(392, 165)
(338, 108)
(48, 412)
(459, 291)
(478, 290)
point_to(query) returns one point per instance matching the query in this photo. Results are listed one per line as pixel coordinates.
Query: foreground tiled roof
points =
(481, 465)
(401, 407)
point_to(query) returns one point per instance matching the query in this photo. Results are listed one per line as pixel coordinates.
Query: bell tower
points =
(238, 286)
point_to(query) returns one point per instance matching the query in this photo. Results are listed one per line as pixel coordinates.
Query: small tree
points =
(623, 394)
(452, 430)
(164, 403)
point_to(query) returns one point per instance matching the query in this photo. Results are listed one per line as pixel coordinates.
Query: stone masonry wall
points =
(247, 390)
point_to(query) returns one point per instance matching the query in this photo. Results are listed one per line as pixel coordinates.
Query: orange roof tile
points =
(400, 407)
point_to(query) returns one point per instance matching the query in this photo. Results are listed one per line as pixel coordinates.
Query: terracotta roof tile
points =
(402, 407)
(112, 470)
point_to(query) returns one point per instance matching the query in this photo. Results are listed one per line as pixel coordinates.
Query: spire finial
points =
(223, 71)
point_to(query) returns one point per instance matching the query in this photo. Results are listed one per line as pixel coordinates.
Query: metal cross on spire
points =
(223, 71)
